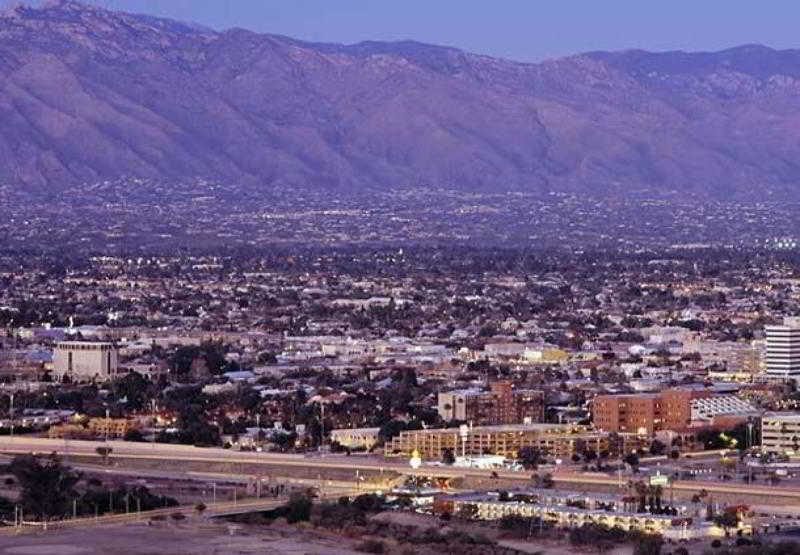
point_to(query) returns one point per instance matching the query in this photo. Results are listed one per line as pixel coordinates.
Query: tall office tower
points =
(783, 349)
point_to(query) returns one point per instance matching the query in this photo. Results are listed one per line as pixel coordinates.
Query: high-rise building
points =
(783, 349)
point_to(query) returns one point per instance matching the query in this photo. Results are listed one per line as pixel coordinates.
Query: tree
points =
(298, 508)
(543, 481)
(104, 451)
(726, 520)
(448, 457)
(133, 435)
(648, 544)
(530, 458)
(47, 486)
(468, 511)
(657, 448)
(632, 459)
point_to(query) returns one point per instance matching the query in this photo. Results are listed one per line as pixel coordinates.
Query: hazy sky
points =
(527, 30)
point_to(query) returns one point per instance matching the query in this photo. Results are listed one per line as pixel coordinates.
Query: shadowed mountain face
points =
(88, 95)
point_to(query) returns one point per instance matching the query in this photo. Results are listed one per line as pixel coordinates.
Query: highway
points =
(178, 453)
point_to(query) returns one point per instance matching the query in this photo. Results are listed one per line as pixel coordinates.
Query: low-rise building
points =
(569, 511)
(557, 440)
(356, 438)
(780, 432)
(111, 427)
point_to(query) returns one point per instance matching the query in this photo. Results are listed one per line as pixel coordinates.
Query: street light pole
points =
(321, 424)
(11, 415)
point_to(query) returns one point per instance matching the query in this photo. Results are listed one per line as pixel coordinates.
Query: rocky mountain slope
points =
(88, 95)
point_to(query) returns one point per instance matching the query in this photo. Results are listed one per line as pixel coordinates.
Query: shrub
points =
(371, 546)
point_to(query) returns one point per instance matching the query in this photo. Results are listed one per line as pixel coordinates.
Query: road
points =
(213, 510)
(178, 453)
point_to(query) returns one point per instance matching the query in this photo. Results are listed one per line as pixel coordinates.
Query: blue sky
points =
(527, 30)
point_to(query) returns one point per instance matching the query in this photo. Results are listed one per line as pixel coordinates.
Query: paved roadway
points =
(227, 508)
(178, 453)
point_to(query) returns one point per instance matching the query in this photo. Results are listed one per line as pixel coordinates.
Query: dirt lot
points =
(190, 537)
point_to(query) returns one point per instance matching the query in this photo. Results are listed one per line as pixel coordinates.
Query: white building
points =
(707, 408)
(356, 437)
(783, 349)
(85, 360)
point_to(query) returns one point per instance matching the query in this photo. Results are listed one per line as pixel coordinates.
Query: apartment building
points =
(502, 404)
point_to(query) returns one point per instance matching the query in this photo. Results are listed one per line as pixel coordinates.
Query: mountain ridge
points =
(88, 95)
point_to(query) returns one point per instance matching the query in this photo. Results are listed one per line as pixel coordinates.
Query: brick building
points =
(646, 413)
(502, 404)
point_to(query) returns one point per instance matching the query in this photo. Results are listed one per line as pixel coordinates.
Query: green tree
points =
(448, 457)
(468, 511)
(47, 486)
(104, 451)
(648, 544)
(726, 520)
(298, 508)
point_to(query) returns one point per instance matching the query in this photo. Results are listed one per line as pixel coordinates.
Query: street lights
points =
(108, 422)
(258, 427)
(463, 431)
(11, 415)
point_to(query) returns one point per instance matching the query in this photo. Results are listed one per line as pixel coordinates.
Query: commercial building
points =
(502, 404)
(780, 432)
(356, 438)
(561, 441)
(85, 360)
(783, 349)
(646, 413)
(713, 408)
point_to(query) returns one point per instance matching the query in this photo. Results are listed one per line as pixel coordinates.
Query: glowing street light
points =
(415, 461)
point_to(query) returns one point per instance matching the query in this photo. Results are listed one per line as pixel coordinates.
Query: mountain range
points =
(88, 95)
